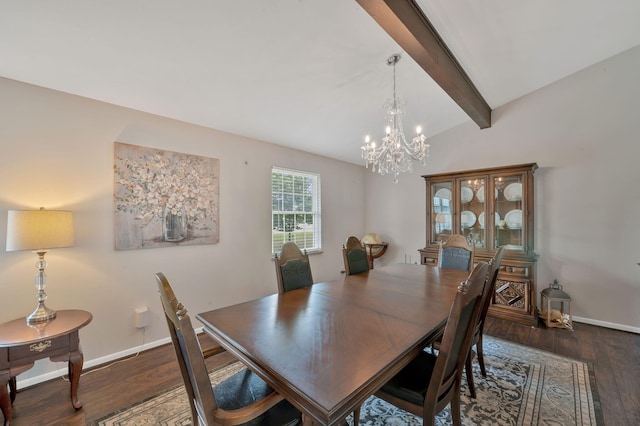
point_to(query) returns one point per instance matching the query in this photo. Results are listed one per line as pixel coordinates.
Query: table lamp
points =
(39, 230)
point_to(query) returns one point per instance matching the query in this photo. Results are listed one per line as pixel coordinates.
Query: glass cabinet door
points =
(509, 212)
(473, 210)
(441, 211)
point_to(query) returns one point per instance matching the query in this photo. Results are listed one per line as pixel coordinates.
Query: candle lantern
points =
(556, 307)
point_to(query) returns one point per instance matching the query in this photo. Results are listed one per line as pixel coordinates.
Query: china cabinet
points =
(491, 208)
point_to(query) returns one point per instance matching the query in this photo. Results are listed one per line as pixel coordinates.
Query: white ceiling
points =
(309, 74)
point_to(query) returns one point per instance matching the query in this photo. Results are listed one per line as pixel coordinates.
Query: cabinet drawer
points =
(39, 349)
(425, 260)
(517, 271)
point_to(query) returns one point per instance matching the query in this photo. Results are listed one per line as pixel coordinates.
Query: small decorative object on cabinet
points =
(491, 208)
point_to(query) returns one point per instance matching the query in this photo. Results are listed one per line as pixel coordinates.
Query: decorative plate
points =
(480, 194)
(513, 192)
(513, 219)
(467, 219)
(466, 194)
(443, 193)
(481, 219)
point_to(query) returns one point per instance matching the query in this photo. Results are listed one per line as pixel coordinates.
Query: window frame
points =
(315, 211)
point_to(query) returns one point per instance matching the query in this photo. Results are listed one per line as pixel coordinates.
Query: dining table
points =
(328, 347)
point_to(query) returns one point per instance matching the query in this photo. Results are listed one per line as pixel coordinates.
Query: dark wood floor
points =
(614, 354)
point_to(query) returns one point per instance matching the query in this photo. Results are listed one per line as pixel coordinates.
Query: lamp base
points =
(41, 314)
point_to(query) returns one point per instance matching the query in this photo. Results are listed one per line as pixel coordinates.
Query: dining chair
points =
(243, 398)
(429, 383)
(456, 253)
(476, 336)
(292, 268)
(354, 256)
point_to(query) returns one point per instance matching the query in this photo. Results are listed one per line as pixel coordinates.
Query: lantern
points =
(556, 307)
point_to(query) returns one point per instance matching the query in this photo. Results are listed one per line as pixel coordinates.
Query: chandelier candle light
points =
(395, 155)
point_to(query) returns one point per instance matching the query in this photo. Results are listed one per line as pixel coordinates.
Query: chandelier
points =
(395, 155)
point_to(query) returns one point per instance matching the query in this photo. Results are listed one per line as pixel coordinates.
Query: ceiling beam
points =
(405, 22)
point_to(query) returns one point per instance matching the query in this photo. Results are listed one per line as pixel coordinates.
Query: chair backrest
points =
(189, 354)
(456, 340)
(492, 277)
(456, 253)
(292, 268)
(354, 256)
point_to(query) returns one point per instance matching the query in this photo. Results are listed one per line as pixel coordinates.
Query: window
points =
(295, 209)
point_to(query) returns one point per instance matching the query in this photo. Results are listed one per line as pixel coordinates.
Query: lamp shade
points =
(39, 229)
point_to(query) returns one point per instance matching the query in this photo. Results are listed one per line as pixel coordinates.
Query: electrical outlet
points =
(141, 317)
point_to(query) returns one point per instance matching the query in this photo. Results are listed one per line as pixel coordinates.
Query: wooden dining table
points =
(328, 347)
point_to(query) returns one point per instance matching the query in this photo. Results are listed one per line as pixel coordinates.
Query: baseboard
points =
(606, 324)
(94, 362)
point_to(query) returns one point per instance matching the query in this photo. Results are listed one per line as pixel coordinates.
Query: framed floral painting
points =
(164, 198)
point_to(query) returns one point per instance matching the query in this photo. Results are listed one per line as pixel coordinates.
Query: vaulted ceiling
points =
(302, 73)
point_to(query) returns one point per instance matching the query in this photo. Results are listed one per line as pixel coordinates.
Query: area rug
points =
(524, 386)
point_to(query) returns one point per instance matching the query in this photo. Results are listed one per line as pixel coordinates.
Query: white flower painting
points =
(164, 198)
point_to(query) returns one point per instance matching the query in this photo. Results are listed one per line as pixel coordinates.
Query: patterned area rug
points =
(524, 386)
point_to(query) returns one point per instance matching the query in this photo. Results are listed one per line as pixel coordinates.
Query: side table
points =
(21, 345)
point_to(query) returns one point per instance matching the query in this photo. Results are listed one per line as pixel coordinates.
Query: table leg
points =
(5, 400)
(75, 370)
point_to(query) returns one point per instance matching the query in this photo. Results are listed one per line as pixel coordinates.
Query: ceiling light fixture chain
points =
(395, 155)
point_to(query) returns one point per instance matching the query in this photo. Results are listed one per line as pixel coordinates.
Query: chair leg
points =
(356, 416)
(481, 356)
(455, 408)
(468, 368)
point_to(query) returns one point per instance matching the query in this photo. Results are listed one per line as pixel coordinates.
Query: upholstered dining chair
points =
(354, 256)
(429, 382)
(241, 399)
(456, 253)
(292, 268)
(476, 336)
